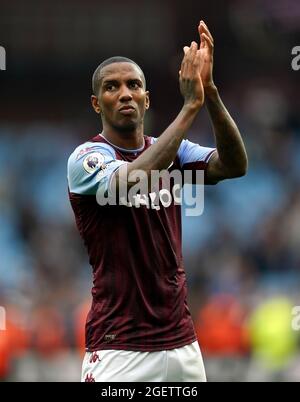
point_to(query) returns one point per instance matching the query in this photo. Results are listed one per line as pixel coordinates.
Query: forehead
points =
(120, 70)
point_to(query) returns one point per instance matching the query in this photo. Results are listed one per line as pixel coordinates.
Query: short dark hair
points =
(111, 60)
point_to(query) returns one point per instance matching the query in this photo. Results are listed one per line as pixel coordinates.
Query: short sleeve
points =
(90, 168)
(194, 156)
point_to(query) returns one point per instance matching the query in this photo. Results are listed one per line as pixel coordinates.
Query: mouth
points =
(127, 110)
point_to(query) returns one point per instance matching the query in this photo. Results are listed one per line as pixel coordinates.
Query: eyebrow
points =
(115, 81)
(104, 81)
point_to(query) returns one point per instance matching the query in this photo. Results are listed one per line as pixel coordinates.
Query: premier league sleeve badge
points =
(93, 162)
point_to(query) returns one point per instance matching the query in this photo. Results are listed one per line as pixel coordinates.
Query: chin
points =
(128, 126)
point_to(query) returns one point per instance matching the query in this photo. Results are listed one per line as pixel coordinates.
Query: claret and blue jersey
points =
(139, 284)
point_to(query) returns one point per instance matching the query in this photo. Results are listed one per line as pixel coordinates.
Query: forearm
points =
(163, 152)
(229, 143)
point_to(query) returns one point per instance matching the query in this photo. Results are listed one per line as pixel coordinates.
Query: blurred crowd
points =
(242, 255)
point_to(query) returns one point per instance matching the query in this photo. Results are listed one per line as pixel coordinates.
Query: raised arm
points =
(230, 159)
(163, 152)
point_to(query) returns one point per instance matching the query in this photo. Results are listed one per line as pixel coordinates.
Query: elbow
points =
(239, 171)
(241, 167)
(244, 168)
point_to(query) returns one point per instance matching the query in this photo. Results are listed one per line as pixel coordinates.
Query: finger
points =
(189, 54)
(197, 61)
(207, 41)
(183, 68)
(183, 62)
(193, 50)
(207, 29)
(192, 58)
(200, 60)
(207, 32)
(202, 42)
(203, 28)
(186, 50)
(188, 61)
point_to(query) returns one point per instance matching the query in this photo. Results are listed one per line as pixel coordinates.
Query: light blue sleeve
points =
(190, 152)
(90, 168)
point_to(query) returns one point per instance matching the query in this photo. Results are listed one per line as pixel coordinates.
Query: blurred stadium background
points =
(242, 256)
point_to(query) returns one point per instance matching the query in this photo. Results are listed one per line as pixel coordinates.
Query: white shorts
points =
(183, 364)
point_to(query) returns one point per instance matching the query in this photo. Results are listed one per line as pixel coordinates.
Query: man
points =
(139, 327)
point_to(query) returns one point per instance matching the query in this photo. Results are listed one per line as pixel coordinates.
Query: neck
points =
(132, 139)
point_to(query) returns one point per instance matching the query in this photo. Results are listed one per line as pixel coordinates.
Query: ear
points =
(95, 104)
(147, 103)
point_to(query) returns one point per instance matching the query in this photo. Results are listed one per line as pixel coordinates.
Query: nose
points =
(125, 94)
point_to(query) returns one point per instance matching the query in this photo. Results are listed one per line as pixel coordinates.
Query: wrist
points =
(187, 114)
(210, 89)
(192, 107)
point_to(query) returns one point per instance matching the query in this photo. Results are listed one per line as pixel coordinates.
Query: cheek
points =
(107, 104)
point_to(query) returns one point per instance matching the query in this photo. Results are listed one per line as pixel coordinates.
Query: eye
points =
(135, 84)
(110, 87)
